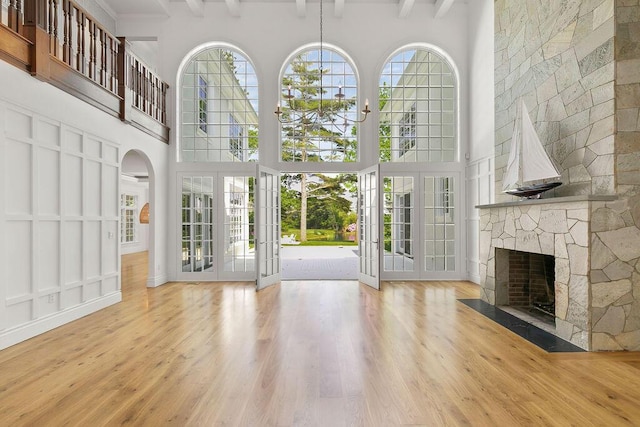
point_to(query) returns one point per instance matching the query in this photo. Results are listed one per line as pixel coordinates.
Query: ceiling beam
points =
(301, 8)
(338, 11)
(442, 7)
(404, 8)
(197, 7)
(164, 4)
(233, 6)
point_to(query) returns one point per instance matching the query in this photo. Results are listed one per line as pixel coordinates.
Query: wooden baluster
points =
(78, 42)
(52, 27)
(82, 40)
(20, 16)
(114, 66)
(164, 103)
(12, 17)
(92, 50)
(66, 48)
(103, 57)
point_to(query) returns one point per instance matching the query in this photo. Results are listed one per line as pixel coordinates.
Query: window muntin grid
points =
(422, 80)
(217, 84)
(398, 217)
(239, 230)
(197, 223)
(330, 139)
(128, 211)
(407, 131)
(270, 224)
(202, 104)
(439, 226)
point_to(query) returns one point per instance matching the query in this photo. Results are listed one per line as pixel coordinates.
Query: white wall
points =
(270, 32)
(59, 206)
(480, 166)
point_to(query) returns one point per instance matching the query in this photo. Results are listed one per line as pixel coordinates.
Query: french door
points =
(268, 227)
(369, 227)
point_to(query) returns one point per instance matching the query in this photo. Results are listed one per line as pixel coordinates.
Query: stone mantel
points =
(568, 199)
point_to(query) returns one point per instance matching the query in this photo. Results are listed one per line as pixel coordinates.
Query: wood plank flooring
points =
(315, 353)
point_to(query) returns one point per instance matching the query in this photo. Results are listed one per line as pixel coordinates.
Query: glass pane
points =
(319, 107)
(197, 224)
(219, 102)
(397, 226)
(439, 227)
(417, 97)
(239, 244)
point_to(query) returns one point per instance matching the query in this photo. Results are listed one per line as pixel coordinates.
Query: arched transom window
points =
(418, 108)
(319, 106)
(219, 108)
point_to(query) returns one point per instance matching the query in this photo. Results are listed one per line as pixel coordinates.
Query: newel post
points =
(123, 67)
(36, 31)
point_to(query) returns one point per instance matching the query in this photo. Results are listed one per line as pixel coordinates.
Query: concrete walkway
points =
(319, 262)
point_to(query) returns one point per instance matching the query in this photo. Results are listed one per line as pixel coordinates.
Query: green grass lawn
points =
(320, 237)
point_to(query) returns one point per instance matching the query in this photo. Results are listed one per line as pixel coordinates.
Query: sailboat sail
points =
(528, 161)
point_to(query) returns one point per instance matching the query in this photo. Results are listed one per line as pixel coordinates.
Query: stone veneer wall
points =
(559, 57)
(577, 65)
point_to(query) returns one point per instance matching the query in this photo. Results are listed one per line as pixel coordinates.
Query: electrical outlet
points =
(110, 235)
(51, 299)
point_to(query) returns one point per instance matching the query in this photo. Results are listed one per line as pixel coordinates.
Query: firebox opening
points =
(530, 284)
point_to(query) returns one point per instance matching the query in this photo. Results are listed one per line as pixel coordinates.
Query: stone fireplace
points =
(575, 64)
(530, 282)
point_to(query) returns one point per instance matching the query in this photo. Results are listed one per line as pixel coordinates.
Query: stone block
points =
(602, 166)
(604, 342)
(527, 241)
(579, 173)
(599, 77)
(603, 13)
(624, 242)
(601, 256)
(564, 329)
(633, 318)
(629, 341)
(594, 38)
(578, 259)
(618, 270)
(574, 159)
(606, 293)
(580, 233)
(562, 271)
(579, 289)
(547, 243)
(612, 322)
(603, 185)
(598, 276)
(577, 315)
(628, 96)
(602, 129)
(604, 146)
(628, 71)
(526, 223)
(602, 110)
(579, 214)
(603, 93)
(553, 221)
(605, 219)
(599, 57)
(560, 249)
(627, 119)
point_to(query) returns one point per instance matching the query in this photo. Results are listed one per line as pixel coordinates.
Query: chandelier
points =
(330, 111)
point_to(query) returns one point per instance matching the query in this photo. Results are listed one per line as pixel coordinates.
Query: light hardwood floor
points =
(304, 353)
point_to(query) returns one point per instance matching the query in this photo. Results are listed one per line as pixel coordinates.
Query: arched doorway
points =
(136, 218)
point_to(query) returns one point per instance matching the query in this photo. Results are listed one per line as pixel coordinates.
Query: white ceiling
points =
(120, 8)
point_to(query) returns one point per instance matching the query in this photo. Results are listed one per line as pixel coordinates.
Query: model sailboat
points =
(530, 171)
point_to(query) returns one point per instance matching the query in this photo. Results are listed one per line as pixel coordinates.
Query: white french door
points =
(268, 227)
(369, 227)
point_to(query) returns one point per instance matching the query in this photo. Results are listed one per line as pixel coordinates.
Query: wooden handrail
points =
(60, 34)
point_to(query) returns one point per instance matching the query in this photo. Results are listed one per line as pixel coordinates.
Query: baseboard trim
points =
(29, 330)
(155, 281)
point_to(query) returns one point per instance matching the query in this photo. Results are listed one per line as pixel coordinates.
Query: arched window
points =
(219, 107)
(418, 108)
(319, 106)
